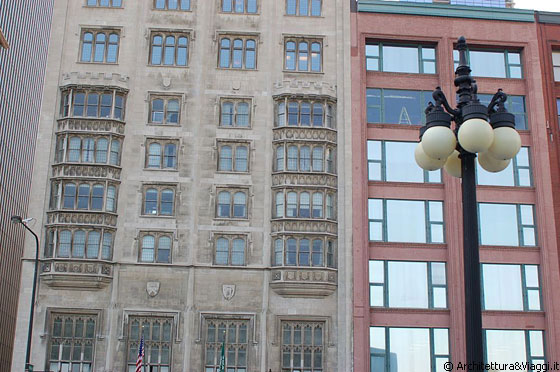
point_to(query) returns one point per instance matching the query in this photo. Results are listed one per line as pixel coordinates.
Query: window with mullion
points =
(183, 5)
(302, 346)
(408, 284)
(396, 106)
(169, 49)
(234, 333)
(408, 349)
(158, 340)
(71, 342)
(315, 204)
(303, 251)
(92, 196)
(231, 203)
(304, 113)
(303, 54)
(156, 247)
(239, 6)
(158, 200)
(99, 46)
(235, 113)
(79, 243)
(71, 149)
(393, 161)
(515, 346)
(105, 3)
(165, 110)
(233, 157)
(161, 154)
(96, 103)
(556, 65)
(238, 52)
(558, 109)
(517, 174)
(230, 250)
(416, 59)
(494, 63)
(304, 8)
(406, 221)
(507, 224)
(514, 105)
(510, 287)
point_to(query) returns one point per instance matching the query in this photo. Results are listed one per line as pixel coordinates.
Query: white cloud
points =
(545, 5)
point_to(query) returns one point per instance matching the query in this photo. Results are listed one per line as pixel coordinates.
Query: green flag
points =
(222, 367)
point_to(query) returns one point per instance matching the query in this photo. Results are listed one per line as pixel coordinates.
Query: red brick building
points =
(407, 243)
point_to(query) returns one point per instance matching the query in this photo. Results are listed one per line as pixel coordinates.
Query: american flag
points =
(140, 360)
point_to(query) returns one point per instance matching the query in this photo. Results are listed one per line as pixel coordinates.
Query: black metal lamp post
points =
(18, 219)
(496, 142)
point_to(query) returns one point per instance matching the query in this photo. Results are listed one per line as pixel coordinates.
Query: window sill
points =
(235, 127)
(407, 310)
(436, 185)
(172, 170)
(172, 10)
(157, 216)
(168, 66)
(304, 16)
(411, 74)
(102, 7)
(164, 264)
(236, 69)
(232, 172)
(164, 125)
(233, 219)
(97, 63)
(303, 72)
(394, 125)
(239, 14)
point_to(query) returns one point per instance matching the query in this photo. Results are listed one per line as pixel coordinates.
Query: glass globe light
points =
(475, 135)
(489, 163)
(453, 165)
(438, 142)
(424, 161)
(506, 145)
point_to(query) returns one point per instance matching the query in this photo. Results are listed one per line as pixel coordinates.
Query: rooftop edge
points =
(446, 10)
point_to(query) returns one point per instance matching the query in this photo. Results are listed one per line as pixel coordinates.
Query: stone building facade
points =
(24, 41)
(190, 188)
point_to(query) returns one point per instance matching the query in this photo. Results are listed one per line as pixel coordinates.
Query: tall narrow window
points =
(231, 336)
(154, 157)
(157, 333)
(556, 65)
(71, 342)
(302, 346)
(99, 50)
(169, 51)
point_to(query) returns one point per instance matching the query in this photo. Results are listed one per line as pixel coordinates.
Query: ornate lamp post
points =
(486, 131)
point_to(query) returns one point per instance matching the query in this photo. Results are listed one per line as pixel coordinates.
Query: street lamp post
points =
(496, 143)
(18, 219)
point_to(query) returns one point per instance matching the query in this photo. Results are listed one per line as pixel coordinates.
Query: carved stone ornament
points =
(152, 288)
(228, 290)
